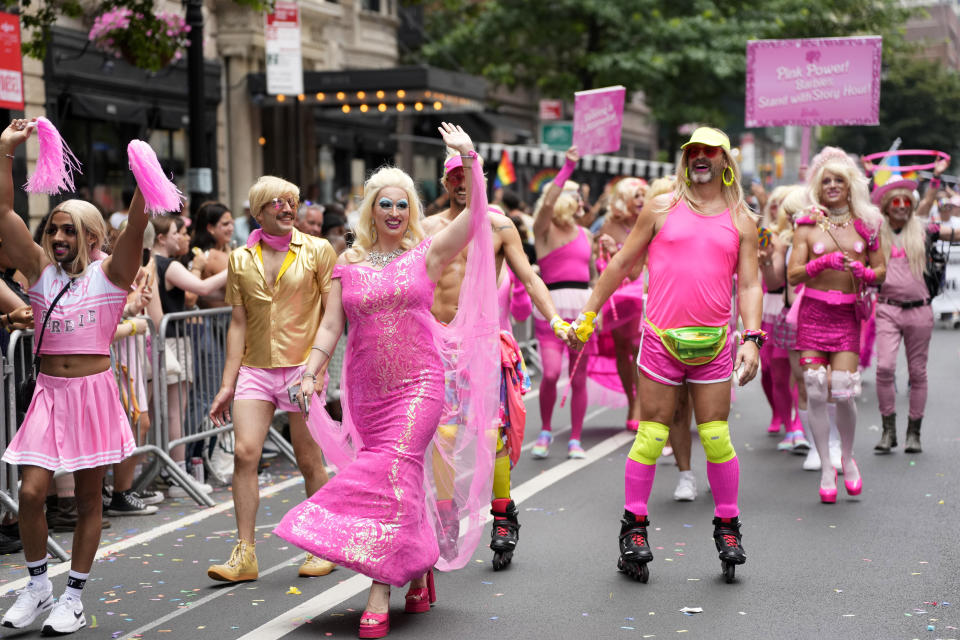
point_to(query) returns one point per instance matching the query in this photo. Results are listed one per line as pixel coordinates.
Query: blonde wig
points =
(623, 196)
(794, 201)
(660, 186)
(770, 210)
(566, 205)
(365, 232)
(912, 236)
(266, 188)
(88, 221)
(836, 161)
(732, 193)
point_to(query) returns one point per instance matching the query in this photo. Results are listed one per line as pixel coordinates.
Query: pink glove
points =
(830, 261)
(862, 273)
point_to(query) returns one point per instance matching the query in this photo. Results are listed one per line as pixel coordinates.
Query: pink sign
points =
(829, 81)
(598, 119)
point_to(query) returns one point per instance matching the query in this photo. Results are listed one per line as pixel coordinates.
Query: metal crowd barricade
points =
(191, 354)
(16, 365)
(134, 361)
(523, 333)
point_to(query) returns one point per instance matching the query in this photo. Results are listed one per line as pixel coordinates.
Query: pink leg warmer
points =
(724, 478)
(551, 356)
(637, 485)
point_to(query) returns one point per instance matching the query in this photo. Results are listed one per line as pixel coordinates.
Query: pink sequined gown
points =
(372, 516)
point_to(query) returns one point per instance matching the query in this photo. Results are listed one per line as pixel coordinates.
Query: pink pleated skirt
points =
(73, 423)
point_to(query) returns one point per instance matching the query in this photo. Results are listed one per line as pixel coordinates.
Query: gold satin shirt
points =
(282, 321)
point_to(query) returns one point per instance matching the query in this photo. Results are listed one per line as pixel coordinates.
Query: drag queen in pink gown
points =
(377, 515)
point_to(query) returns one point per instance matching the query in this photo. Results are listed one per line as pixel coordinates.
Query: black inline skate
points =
(505, 532)
(726, 535)
(634, 547)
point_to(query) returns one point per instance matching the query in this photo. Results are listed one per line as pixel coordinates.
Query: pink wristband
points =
(565, 172)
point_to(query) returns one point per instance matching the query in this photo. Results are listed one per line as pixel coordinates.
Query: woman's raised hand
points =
(14, 135)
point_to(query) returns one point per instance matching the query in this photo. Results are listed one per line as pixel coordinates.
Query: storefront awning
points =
(610, 165)
(398, 90)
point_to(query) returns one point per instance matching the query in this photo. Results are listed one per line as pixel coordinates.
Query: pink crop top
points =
(567, 263)
(86, 316)
(692, 261)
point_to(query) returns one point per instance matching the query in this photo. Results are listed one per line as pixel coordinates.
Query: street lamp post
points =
(199, 175)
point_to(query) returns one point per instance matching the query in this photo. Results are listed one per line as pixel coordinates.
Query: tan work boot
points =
(314, 567)
(241, 566)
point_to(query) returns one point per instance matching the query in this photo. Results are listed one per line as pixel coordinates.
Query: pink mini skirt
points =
(827, 322)
(73, 423)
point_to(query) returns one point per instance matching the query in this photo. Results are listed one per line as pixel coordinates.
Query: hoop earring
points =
(686, 175)
(733, 176)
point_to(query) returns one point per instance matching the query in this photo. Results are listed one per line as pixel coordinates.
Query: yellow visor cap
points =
(710, 137)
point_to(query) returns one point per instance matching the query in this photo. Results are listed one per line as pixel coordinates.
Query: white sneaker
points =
(176, 491)
(812, 461)
(66, 617)
(32, 601)
(686, 490)
(835, 455)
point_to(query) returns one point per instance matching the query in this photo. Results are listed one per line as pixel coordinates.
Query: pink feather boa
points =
(160, 194)
(55, 164)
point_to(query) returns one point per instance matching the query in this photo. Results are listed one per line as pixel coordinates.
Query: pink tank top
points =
(86, 316)
(692, 261)
(569, 263)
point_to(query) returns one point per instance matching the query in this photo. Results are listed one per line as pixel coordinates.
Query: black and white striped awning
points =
(540, 157)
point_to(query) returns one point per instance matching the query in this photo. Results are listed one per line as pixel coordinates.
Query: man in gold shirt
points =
(277, 285)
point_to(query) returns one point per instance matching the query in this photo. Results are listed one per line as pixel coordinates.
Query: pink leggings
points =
(551, 356)
(915, 327)
(775, 380)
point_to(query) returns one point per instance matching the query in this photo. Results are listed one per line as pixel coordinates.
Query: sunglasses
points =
(279, 202)
(695, 150)
(387, 204)
(68, 229)
(900, 201)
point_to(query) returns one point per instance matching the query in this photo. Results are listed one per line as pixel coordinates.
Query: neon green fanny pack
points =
(693, 345)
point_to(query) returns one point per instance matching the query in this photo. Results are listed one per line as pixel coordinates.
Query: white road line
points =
(156, 532)
(222, 591)
(289, 621)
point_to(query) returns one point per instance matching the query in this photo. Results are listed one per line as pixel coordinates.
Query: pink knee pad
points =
(816, 382)
(845, 385)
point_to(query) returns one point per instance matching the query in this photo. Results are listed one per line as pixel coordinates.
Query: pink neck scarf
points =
(277, 243)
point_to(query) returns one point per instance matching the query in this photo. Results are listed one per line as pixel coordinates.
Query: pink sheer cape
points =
(470, 350)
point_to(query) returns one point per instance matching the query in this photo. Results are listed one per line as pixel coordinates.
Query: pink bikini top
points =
(569, 263)
(86, 316)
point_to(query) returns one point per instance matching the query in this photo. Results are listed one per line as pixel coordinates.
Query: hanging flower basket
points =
(145, 40)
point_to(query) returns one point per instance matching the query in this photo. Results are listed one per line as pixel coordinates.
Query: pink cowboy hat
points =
(879, 192)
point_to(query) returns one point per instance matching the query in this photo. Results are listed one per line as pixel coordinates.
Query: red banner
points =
(11, 63)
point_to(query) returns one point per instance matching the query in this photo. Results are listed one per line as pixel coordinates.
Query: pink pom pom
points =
(160, 195)
(55, 164)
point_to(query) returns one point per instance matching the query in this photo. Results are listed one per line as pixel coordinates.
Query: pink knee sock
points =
(724, 478)
(637, 485)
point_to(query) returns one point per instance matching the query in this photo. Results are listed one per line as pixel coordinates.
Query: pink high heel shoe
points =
(829, 496)
(853, 488)
(420, 599)
(379, 629)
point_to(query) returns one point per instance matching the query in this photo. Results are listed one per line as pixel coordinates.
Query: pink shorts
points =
(659, 365)
(269, 385)
(73, 423)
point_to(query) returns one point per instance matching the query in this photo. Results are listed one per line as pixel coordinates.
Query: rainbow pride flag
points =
(506, 174)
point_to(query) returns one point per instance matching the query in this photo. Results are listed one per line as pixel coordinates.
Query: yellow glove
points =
(559, 326)
(583, 325)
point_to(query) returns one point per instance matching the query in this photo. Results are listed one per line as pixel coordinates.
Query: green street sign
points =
(556, 135)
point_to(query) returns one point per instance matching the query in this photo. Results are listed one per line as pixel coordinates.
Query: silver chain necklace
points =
(380, 259)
